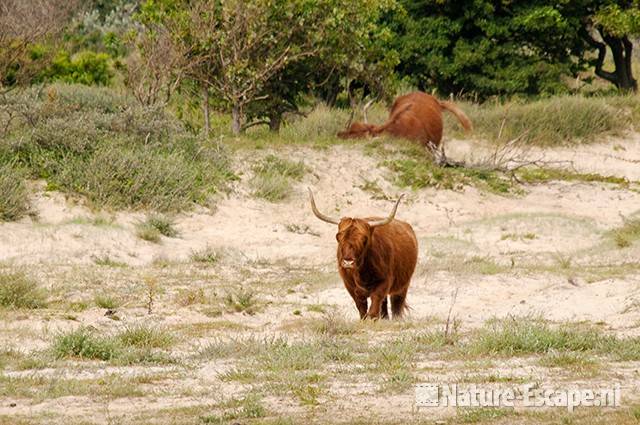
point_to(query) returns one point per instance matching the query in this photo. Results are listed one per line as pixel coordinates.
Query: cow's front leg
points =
(377, 298)
(360, 300)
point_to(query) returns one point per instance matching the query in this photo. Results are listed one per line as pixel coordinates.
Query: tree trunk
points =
(621, 49)
(274, 122)
(205, 108)
(236, 116)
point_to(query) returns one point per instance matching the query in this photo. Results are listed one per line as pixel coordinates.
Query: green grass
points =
(104, 300)
(273, 177)
(84, 344)
(526, 335)
(482, 415)
(133, 345)
(141, 336)
(207, 255)
(155, 226)
(242, 301)
(92, 142)
(575, 362)
(42, 388)
(544, 175)
(625, 235)
(421, 173)
(17, 290)
(250, 406)
(14, 201)
(395, 361)
(561, 120)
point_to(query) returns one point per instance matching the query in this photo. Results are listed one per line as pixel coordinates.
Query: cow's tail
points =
(462, 117)
(399, 305)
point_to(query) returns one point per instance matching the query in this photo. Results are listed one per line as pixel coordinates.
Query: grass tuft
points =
(154, 226)
(136, 344)
(273, 177)
(142, 336)
(84, 344)
(17, 290)
(207, 255)
(625, 235)
(553, 121)
(14, 202)
(242, 301)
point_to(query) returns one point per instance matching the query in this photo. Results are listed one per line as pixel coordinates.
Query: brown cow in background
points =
(414, 116)
(376, 259)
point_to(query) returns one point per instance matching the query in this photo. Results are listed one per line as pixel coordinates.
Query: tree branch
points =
(602, 52)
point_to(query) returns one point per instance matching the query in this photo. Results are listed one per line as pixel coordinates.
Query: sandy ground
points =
(568, 224)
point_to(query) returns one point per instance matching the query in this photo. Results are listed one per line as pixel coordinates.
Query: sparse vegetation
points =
(17, 290)
(207, 255)
(242, 301)
(543, 175)
(136, 344)
(528, 335)
(625, 235)
(273, 176)
(14, 202)
(553, 121)
(421, 173)
(154, 226)
(105, 300)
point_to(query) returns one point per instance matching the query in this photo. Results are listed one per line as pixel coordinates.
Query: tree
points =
(23, 24)
(614, 23)
(246, 52)
(155, 67)
(485, 47)
(492, 47)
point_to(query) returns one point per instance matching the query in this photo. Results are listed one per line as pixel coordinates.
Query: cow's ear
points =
(338, 237)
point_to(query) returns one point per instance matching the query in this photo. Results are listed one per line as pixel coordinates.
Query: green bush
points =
(86, 67)
(93, 142)
(14, 201)
(82, 343)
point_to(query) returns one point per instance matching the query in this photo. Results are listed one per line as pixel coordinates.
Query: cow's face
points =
(353, 239)
(357, 130)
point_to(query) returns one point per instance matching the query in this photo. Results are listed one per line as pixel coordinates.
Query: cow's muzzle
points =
(347, 264)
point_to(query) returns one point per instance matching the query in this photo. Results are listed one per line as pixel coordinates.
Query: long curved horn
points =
(391, 216)
(318, 213)
(364, 110)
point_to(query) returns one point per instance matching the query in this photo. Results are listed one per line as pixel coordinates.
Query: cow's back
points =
(399, 237)
(416, 116)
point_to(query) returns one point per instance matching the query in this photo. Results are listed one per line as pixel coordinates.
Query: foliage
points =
(14, 202)
(559, 120)
(273, 176)
(484, 48)
(93, 142)
(85, 67)
(24, 26)
(240, 51)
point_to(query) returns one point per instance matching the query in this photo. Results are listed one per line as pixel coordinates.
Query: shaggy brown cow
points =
(414, 116)
(376, 259)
